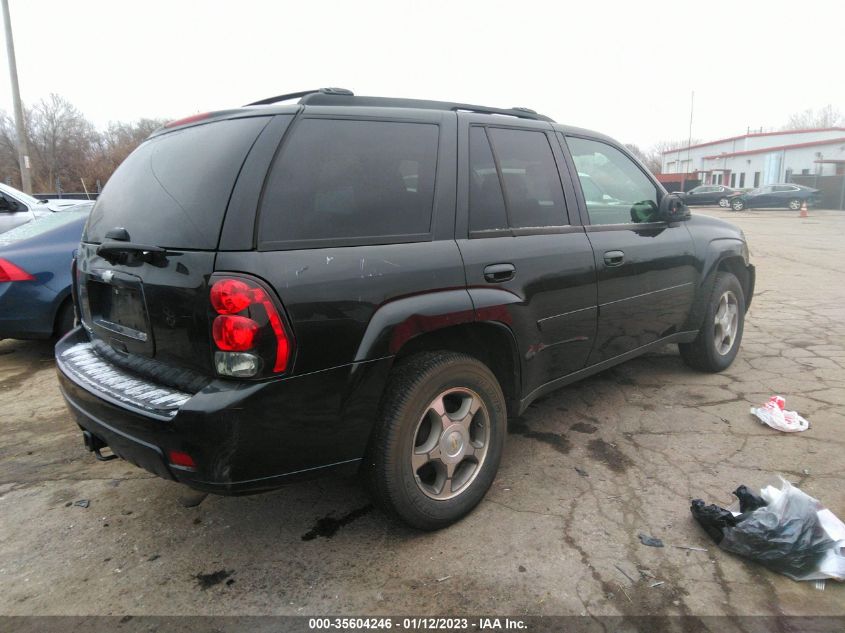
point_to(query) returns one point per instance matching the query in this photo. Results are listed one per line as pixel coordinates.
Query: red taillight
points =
(230, 296)
(247, 321)
(10, 272)
(234, 333)
(188, 119)
(181, 459)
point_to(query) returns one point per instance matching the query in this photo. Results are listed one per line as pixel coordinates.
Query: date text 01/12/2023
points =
(417, 624)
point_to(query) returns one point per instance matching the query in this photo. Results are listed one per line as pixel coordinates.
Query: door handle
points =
(497, 273)
(614, 258)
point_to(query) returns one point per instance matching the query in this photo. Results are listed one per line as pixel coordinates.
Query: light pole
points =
(23, 153)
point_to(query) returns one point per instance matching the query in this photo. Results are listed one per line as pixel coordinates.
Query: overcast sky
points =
(623, 68)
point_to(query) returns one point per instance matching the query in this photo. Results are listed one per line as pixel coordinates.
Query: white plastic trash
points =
(775, 415)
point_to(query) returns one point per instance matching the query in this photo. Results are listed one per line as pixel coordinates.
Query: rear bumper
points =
(244, 437)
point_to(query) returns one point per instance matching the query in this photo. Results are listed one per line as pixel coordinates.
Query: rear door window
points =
(173, 190)
(350, 182)
(529, 174)
(486, 201)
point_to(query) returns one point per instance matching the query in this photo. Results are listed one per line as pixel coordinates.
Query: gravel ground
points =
(585, 471)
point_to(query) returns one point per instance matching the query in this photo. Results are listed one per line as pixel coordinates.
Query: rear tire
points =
(737, 205)
(724, 203)
(65, 319)
(795, 204)
(718, 340)
(427, 468)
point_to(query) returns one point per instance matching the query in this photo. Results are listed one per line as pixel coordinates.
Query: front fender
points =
(716, 252)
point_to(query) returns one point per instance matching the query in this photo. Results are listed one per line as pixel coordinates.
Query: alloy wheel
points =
(726, 323)
(450, 443)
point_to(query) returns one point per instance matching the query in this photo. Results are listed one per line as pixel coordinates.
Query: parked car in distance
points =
(35, 274)
(365, 283)
(773, 196)
(709, 194)
(17, 207)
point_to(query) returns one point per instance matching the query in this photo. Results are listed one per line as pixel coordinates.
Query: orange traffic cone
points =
(804, 213)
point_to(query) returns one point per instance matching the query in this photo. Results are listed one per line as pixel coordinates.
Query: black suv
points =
(278, 291)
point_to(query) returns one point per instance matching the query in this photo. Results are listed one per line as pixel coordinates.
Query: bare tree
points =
(65, 146)
(652, 159)
(828, 116)
(62, 140)
(9, 166)
(117, 142)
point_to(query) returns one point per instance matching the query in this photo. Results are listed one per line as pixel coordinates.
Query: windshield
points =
(39, 226)
(20, 195)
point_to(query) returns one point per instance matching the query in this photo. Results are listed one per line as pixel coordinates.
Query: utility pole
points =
(23, 152)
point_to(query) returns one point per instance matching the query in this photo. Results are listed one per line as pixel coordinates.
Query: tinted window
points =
(627, 194)
(532, 185)
(486, 203)
(342, 179)
(173, 190)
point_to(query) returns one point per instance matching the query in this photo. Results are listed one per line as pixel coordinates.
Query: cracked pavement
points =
(585, 471)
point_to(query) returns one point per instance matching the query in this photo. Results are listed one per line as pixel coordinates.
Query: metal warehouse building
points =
(752, 160)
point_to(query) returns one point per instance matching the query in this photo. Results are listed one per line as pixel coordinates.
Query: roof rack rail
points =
(299, 95)
(344, 97)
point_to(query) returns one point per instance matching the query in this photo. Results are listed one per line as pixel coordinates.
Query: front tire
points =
(718, 340)
(737, 205)
(439, 440)
(795, 204)
(724, 203)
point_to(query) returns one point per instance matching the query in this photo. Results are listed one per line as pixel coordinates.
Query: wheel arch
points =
(490, 342)
(725, 255)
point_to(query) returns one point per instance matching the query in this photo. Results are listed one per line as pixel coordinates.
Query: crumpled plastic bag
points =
(773, 414)
(793, 534)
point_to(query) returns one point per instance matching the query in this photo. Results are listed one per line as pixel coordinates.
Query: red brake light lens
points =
(234, 333)
(230, 296)
(10, 272)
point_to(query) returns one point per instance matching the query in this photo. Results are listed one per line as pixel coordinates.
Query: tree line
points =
(65, 148)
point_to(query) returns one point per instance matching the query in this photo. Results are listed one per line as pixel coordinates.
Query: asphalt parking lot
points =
(585, 471)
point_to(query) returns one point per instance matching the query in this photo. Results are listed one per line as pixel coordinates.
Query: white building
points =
(752, 160)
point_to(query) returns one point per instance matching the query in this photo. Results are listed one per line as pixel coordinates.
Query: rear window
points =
(351, 182)
(173, 190)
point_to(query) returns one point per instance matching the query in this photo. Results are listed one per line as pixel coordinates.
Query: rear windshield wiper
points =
(118, 252)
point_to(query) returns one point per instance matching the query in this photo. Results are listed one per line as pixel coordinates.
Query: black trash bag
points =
(712, 518)
(748, 500)
(784, 534)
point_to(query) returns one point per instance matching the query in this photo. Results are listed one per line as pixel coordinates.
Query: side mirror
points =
(673, 208)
